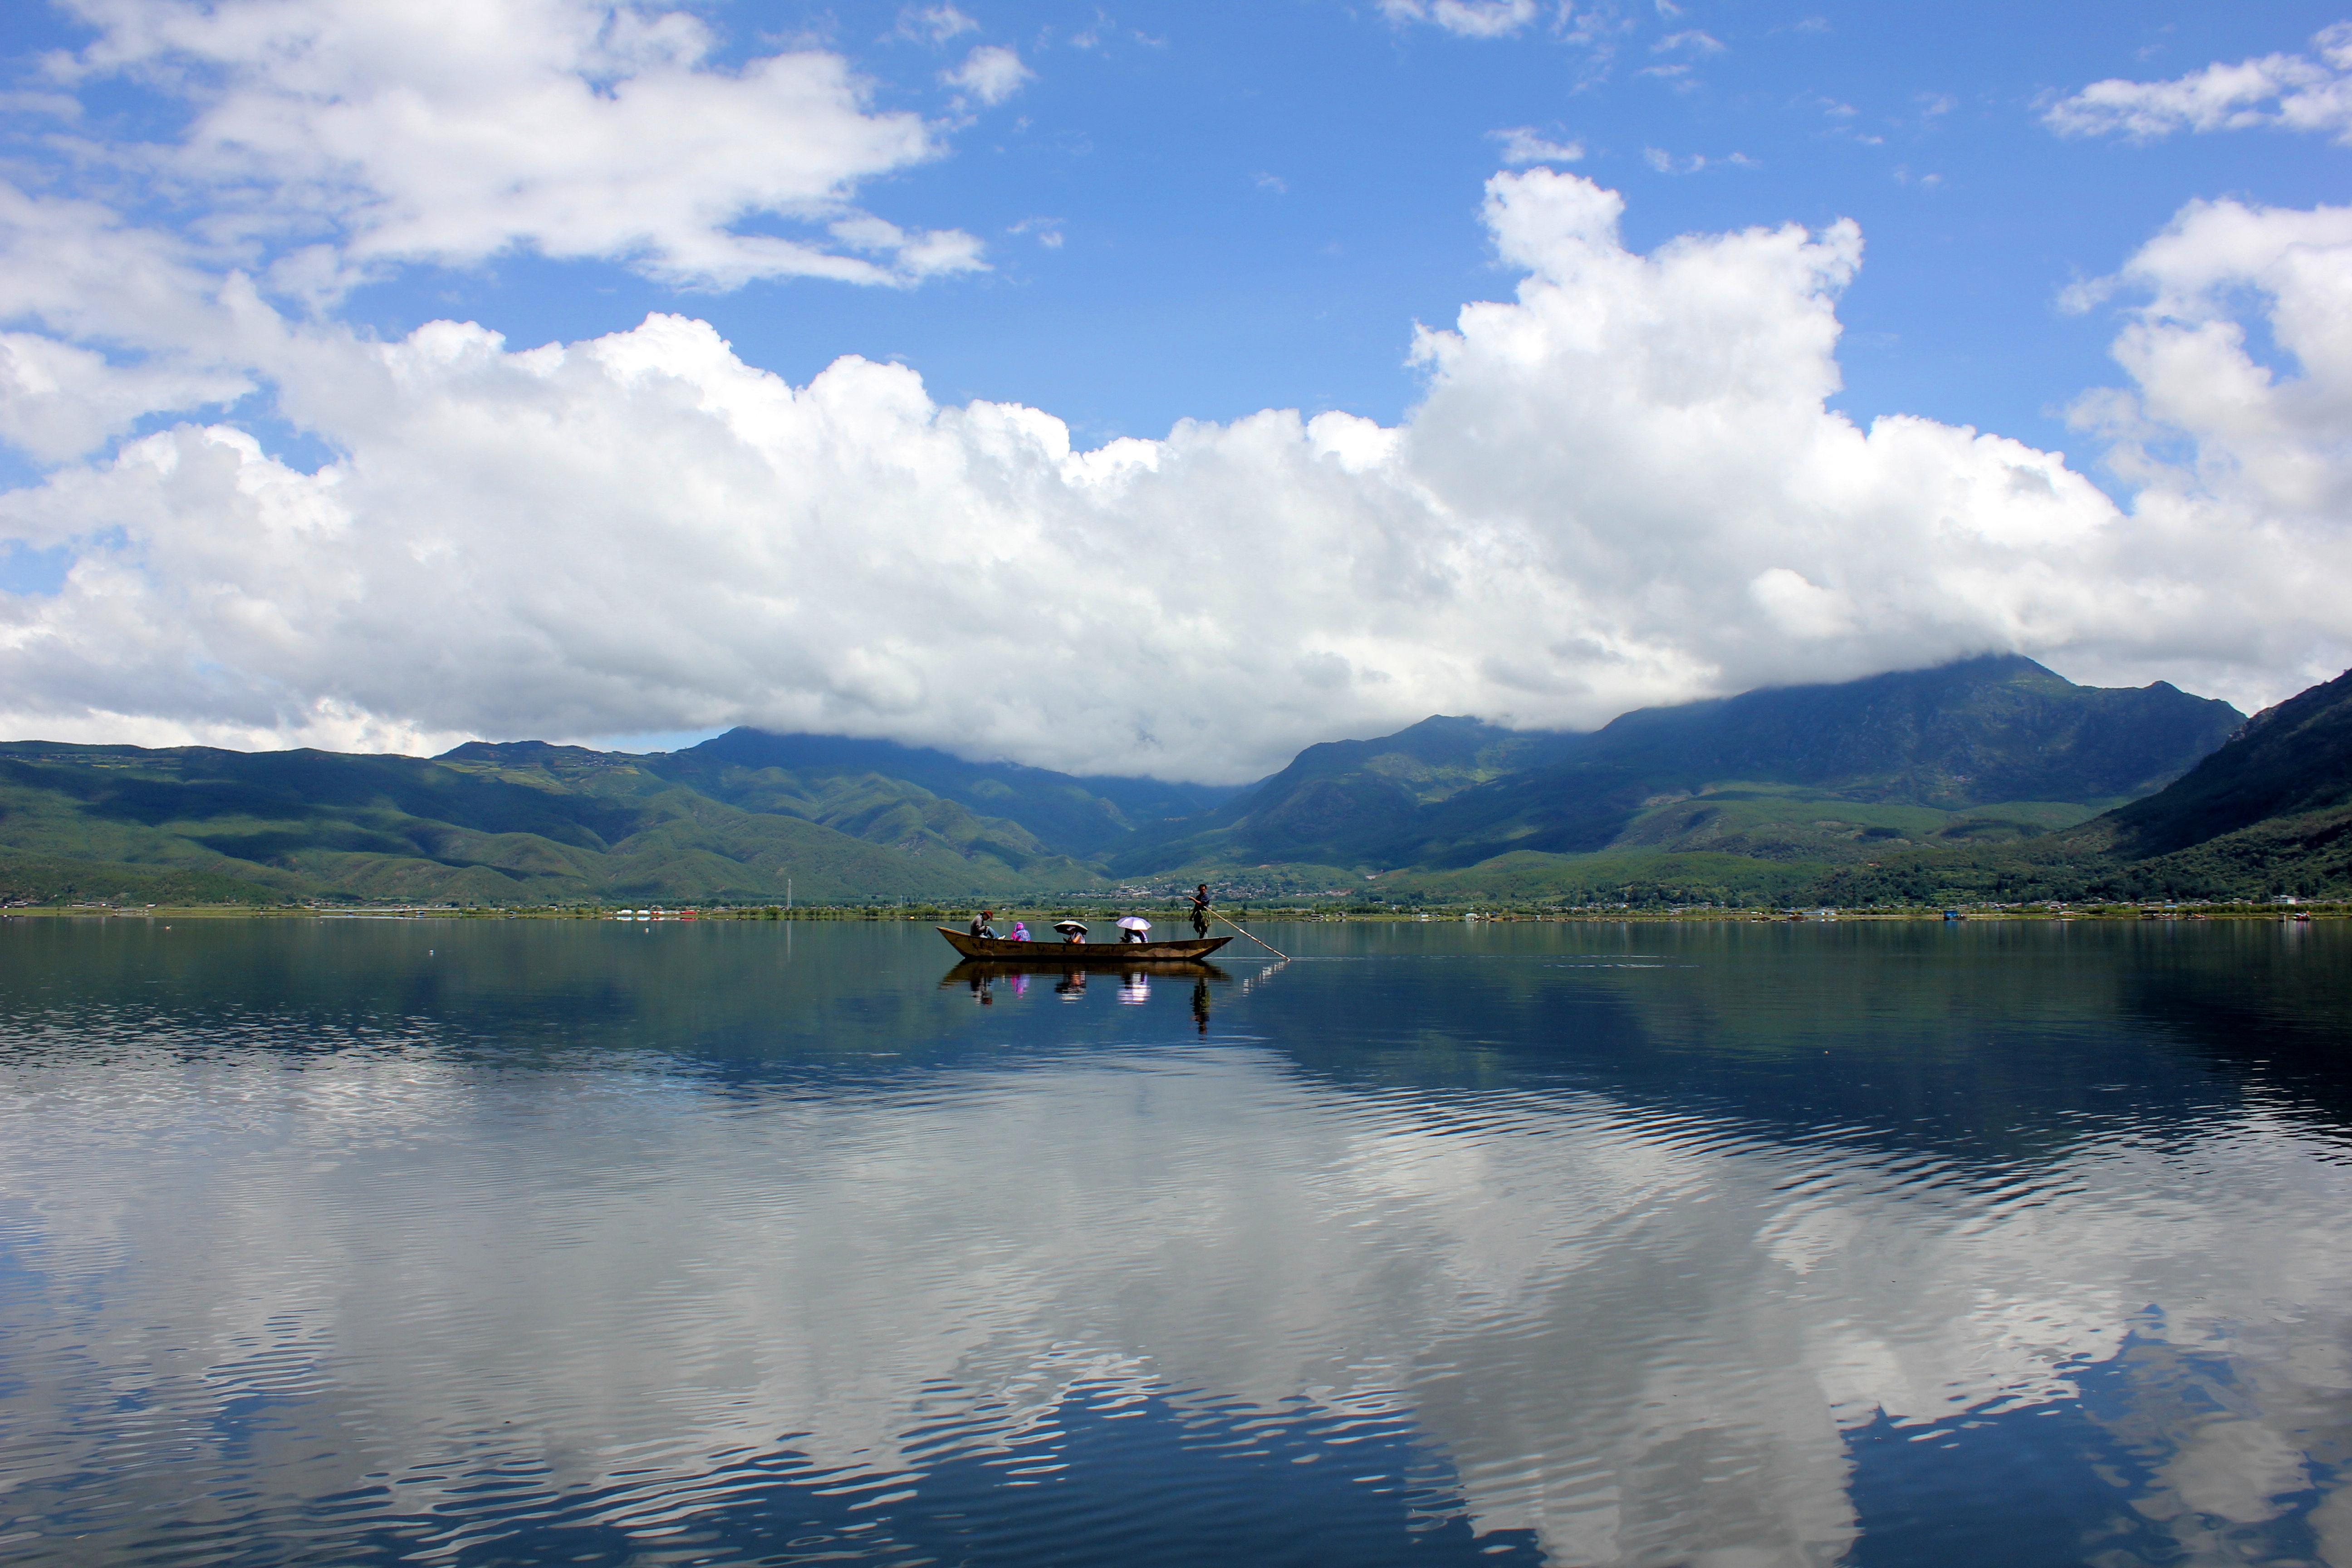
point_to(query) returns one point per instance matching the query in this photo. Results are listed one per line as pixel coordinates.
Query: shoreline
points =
(1459, 914)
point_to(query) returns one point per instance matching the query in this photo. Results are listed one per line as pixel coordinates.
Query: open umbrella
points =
(1066, 926)
(1133, 922)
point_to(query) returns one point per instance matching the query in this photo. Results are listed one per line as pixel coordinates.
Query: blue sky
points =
(1148, 214)
(1186, 288)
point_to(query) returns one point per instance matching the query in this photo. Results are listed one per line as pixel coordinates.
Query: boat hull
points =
(1107, 955)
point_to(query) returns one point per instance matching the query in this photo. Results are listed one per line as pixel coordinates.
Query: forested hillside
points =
(1994, 775)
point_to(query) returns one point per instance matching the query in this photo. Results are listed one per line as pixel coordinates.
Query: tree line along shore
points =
(1005, 913)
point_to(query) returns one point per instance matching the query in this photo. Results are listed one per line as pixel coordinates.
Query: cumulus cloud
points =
(2292, 92)
(991, 73)
(58, 400)
(2232, 449)
(1623, 486)
(449, 131)
(1465, 18)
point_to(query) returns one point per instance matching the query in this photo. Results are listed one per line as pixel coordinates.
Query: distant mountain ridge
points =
(1076, 816)
(1759, 790)
(1454, 792)
(2289, 761)
(746, 818)
(2268, 812)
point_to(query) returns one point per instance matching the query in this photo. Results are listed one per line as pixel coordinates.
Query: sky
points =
(1152, 389)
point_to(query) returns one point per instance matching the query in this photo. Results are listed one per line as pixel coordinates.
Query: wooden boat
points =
(1109, 954)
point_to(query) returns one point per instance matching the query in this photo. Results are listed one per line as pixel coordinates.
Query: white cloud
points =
(1047, 230)
(1523, 145)
(2267, 471)
(934, 23)
(991, 73)
(448, 131)
(1691, 40)
(58, 401)
(1465, 18)
(1665, 163)
(1622, 487)
(2292, 92)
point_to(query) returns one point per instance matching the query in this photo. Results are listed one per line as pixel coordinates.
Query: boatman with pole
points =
(1201, 910)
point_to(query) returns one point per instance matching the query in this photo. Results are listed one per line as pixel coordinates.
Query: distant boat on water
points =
(1090, 952)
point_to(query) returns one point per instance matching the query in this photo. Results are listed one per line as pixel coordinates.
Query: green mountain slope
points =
(1338, 801)
(855, 783)
(2268, 812)
(2293, 761)
(1982, 733)
(1975, 776)
(1989, 750)
(488, 824)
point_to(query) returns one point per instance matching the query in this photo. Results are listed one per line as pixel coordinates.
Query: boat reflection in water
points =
(983, 977)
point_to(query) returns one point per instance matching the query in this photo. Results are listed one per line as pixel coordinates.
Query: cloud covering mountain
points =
(1625, 484)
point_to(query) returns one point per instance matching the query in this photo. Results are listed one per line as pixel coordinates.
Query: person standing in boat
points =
(980, 926)
(1201, 910)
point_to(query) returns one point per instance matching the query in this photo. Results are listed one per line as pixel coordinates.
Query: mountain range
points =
(1996, 747)
(1990, 773)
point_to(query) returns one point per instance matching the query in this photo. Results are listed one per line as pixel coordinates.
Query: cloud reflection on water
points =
(1642, 1331)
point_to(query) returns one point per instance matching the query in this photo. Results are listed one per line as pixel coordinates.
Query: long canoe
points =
(1088, 952)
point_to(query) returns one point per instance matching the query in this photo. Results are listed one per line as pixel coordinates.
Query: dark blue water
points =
(471, 1242)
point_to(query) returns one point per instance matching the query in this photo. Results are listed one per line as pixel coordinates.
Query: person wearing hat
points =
(980, 926)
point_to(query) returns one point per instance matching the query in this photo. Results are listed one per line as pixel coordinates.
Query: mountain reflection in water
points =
(524, 1241)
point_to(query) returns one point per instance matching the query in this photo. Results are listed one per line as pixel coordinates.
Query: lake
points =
(365, 1241)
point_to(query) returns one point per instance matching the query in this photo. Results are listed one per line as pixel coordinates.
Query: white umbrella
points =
(1133, 922)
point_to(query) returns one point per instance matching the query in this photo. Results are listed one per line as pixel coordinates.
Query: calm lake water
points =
(476, 1242)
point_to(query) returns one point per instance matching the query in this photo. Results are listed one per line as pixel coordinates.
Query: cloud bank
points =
(1624, 484)
(1621, 487)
